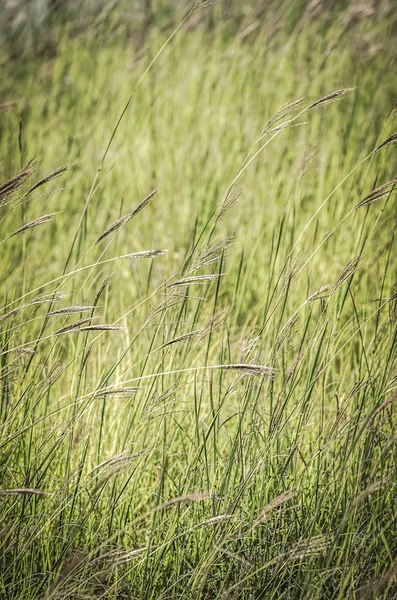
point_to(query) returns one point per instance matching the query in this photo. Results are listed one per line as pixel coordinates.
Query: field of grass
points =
(198, 311)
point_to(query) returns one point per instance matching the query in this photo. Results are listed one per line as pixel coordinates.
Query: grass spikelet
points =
(102, 288)
(371, 489)
(288, 123)
(319, 294)
(103, 327)
(214, 520)
(157, 401)
(69, 310)
(390, 141)
(181, 338)
(307, 161)
(121, 392)
(17, 182)
(380, 192)
(72, 326)
(48, 299)
(113, 466)
(114, 227)
(117, 460)
(126, 555)
(333, 97)
(11, 313)
(211, 255)
(23, 492)
(248, 343)
(348, 271)
(145, 254)
(278, 501)
(25, 350)
(144, 202)
(285, 333)
(195, 280)
(230, 200)
(294, 269)
(51, 298)
(216, 320)
(123, 220)
(205, 4)
(314, 546)
(392, 398)
(248, 369)
(285, 111)
(35, 223)
(360, 385)
(167, 301)
(53, 175)
(379, 586)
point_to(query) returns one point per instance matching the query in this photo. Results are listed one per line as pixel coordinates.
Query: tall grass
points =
(198, 334)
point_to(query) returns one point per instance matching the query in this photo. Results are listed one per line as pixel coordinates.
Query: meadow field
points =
(198, 304)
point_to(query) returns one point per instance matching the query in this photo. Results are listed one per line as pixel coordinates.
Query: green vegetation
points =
(216, 421)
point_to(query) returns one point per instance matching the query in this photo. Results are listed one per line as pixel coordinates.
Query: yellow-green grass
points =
(145, 460)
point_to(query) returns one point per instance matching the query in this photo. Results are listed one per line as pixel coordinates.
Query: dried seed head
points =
(73, 326)
(212, 254)
(120, 392)
(35, 223)
(249, 342)
(278, 501)
(391, 140)
(17, 182)
(119, 460)
(216, 320)
(284, 112)
(195, 280)
(319, 293)
(364, 383)
(333, 97)
(295, 268)
(23, 492)
(24, 350)
(69, 310)
(230, 200)
(348, 271)
(307, 161)
(380, 192)
(145, 254)
(285, 333)
(102, 288)
(315, 545)
(114, 227)
(181, 338)
(257, 370)
(392, 398)
(123, 220)
(214, 520)
(53, 175)
(167, 300)
(40, 300)
(144, 202)
(374, 487)
(104, 327)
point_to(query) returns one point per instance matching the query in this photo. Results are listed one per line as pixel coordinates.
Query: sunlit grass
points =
(215, 421)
